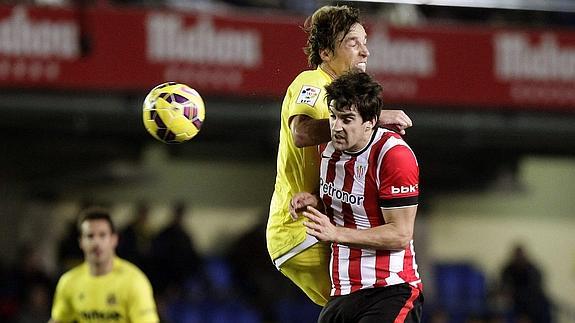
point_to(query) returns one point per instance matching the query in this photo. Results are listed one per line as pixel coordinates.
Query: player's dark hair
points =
(95, 213)
(356, 89)
(323, 27)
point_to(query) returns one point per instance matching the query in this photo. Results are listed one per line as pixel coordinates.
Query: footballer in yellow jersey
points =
(337, 43)
(297, 168)
(104, 288)
(122, 295)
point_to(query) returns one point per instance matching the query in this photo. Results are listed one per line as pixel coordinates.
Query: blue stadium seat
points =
(460, 290)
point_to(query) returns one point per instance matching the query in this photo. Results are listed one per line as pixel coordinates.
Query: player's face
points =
(98, 242)
(348, 130)
(351, 53)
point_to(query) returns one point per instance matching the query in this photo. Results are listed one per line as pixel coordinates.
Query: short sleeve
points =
(306, 95)
(399, 178)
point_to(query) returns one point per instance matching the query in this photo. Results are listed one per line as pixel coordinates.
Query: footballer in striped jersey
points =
(366, 208)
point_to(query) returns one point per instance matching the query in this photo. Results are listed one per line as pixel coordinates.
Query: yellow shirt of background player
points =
(297, 168)
(123, 295)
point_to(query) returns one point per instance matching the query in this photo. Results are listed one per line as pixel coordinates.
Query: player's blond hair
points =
(324, 26)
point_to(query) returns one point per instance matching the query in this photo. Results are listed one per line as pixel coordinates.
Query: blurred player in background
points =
(369, 188)
(336, 43)
(104, 288)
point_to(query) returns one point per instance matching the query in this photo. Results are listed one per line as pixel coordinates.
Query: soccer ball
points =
(173, 112)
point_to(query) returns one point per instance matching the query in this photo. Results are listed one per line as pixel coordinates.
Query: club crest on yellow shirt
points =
(111, 299)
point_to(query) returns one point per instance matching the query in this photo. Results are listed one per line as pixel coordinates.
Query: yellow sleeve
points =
(307, 96)
(62, 310)
(142, 307)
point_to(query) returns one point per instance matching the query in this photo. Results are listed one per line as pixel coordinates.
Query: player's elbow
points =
(299, 139)
(403, 240)
(300, 144)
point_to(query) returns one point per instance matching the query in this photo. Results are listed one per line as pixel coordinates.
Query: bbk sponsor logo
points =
(338, 194)
(403, 189)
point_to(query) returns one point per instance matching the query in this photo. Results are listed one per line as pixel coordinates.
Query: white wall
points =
(483, 227)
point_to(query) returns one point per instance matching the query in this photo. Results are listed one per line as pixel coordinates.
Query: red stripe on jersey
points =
(381, 267)
(408, 305)
(330, 176)
(408, 274)
(336, 282)
(348, 220)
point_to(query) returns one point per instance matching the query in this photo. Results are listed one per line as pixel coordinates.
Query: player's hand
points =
(395, 120)
(300, 201)
(319, 225)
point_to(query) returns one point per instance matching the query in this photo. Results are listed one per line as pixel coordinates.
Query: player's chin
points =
(341, 146)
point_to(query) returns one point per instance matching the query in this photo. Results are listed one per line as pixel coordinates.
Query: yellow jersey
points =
(123, 295)
(297, 168)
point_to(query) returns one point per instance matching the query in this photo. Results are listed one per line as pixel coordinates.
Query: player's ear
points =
(115, 239)
(370, 124)
(325, 54)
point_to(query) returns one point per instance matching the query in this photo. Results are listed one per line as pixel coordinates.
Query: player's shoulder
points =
(392, 142)
(124, 267)
(390, 137)
(311, 78)
(78, 272)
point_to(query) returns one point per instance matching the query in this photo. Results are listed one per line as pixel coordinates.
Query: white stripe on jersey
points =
(368, 278)
(396, 261)
(394, 279)
(413, 262)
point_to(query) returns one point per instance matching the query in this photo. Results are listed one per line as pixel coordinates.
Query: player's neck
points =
(362, 144)
(328, 70)
(100, 269)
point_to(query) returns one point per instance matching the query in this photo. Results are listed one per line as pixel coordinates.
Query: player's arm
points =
(394, 120)
(142, 306)
(62, 311)
(395, 234)
(307, 131)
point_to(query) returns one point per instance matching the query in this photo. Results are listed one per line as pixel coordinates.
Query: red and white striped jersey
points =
(353, 187)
